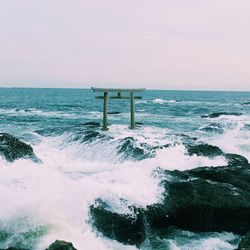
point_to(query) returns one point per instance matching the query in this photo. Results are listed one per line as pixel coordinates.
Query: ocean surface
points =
(48, 200)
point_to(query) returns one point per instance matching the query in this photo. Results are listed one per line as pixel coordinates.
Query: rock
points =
(246, 103)
(61, 245)
(218, 114)
(208, 203)
(11, 148)
(113, 113)
(125, 228)
(204, 150)
(202, 199)
(213, 128)
(236, 160)
(245, 243)
(92, 124)
(129, 148)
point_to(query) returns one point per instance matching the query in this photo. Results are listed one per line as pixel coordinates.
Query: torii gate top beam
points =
(117, 90)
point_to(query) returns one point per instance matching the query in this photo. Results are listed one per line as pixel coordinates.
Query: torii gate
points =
(119, 92)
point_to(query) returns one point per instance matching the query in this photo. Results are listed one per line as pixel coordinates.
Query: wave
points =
(220, 114)
(161, 101)
(87, 163)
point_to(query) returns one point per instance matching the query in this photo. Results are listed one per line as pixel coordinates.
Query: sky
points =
(157, 44)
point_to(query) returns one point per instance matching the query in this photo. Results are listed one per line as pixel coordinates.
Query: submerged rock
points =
(218, 114)
(213, 128)
(113, 112)
(61, 245)
(245, 243)
(245, 103)
(11, 148)
(92, 124)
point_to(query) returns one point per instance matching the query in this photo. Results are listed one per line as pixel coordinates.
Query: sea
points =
(41, 202)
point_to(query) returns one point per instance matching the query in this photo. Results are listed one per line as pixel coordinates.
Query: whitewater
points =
(79, 164)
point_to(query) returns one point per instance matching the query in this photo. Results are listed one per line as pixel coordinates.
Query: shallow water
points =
(44, 202)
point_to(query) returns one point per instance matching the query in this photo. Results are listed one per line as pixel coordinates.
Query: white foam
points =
(161, 101)
(57, 193)
(235, 138)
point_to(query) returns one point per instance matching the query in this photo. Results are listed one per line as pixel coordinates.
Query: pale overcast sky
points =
(163, 44)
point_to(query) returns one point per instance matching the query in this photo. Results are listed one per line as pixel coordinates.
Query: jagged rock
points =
(245, 243)
(125, 228)
(61, 245)
(204, 150)
(129, 148)
(201, 199)
(11, 148)
(218, 114)
(213, 128)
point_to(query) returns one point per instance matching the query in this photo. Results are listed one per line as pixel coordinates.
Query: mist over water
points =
(42, 202)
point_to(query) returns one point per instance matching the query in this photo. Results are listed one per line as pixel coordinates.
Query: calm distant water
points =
(51, 200)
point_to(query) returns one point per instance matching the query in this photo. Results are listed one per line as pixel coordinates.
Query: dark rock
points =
(202, 199)
(125, 228)
(87, 136)
(205, 199)
(245, 243)
(61, 245)
(93, 124)
(90, 135)
(204, 150)
(218, 114)
(246, 103)
(129, 148)
(236, 160)
(213, 128)
(11, 148)
(113, 112)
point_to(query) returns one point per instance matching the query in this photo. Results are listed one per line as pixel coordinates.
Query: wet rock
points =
(246, 103)
(213, 128)
(203, 199)
(204, 150)
(236, 160)
(218, 114)
(125, 228)
(245, 243)
(88, 136)
(113, 112)
(61, 245)
(92, 124)
(11, 148)
(129, 148)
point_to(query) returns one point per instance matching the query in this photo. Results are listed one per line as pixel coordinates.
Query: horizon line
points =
(156, 89)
